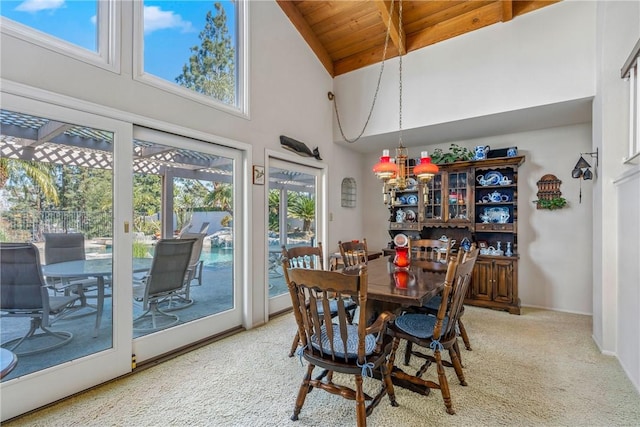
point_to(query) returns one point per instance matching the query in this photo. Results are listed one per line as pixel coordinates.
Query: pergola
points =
(39, 139)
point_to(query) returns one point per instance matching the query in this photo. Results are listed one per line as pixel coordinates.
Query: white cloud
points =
(94, 19)
(38, 5)
(157, 19)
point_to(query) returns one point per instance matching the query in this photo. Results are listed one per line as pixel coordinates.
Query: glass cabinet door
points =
(458, 197)
(433, 200)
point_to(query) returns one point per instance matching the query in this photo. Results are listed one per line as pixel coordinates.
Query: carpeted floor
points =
(537, 369)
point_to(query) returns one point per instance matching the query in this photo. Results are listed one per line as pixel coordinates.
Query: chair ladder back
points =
(446, 295)
(353, 252)
(309, 257)
(430, 250)
(460, 285)
(318, 298)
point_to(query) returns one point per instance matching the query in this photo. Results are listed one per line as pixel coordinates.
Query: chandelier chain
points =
(375, 95)
(400, 71)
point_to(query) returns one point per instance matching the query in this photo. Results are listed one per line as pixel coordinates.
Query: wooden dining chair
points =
(436, 333)
(430, 250)
(310, 257)
(433, 304)
(334, 344)
(353, 252)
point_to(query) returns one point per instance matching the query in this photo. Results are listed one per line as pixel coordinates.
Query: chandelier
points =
(395, 172)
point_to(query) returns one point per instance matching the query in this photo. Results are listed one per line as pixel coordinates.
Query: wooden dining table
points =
(392, 289)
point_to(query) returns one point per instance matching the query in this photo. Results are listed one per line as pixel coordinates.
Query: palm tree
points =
(304, 208)
(221, 197)
(30, 174)
(274, 210)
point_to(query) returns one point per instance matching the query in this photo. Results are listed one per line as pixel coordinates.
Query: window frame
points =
(109, 23)
(241, 108)
(631, 72)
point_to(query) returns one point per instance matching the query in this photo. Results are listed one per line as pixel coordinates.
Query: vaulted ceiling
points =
(349, 34)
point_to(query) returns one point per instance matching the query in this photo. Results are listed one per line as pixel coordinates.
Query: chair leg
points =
(388, 383)
(361, 411)
(407, 353)
(455, 361)
(463, 334)
(294, 344)
(302, 394)
(444, 385)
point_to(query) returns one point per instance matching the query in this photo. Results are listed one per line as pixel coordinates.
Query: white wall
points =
(540, 58)
(555, 246)
(288, 95)
(616, 258)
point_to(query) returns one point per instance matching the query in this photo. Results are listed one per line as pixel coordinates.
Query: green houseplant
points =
(551, 204)
(456, 153)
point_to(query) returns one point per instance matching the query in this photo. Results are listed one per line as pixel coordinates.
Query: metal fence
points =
(29, 226)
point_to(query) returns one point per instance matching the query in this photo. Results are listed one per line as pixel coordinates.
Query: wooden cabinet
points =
(495, 284)
(473, 199)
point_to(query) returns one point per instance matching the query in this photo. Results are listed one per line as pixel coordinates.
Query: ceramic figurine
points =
(480, 152)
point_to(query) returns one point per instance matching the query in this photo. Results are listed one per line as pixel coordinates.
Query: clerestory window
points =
(85, 30)
(193, 48)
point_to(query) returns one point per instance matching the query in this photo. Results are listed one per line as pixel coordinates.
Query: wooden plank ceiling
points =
(349, 34)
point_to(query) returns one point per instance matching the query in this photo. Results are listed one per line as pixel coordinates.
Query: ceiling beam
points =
(392, 25)
(461, 24)
(507, 10)
(289, 8)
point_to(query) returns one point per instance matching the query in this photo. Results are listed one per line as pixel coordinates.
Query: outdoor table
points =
(98, 268)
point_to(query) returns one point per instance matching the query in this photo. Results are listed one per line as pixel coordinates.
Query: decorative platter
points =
(490, 178)
(411, 216)
(498, 214)
(411, 184)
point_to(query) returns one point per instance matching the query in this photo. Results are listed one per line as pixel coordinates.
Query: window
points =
(193, 48)
(84, 30)
(348, 199)
(630, 73)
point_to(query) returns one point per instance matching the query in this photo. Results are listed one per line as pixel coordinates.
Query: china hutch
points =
(477, 200)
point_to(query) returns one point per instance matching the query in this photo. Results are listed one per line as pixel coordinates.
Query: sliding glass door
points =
(64, 177)
(184, 188)
(294, 212)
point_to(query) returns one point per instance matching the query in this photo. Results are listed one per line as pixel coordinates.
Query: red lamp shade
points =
(385, 169)
(425, 170)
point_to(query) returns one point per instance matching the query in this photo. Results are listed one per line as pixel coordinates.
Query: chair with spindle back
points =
(310, 257)
(437, 333)
(353, 252)
(333, 343)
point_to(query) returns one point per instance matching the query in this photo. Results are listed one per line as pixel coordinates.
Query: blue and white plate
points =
(493, 178)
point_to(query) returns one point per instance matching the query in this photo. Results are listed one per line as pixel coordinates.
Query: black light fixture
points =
(582, 169)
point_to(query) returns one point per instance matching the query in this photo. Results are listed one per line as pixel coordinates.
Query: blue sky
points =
(171, 27)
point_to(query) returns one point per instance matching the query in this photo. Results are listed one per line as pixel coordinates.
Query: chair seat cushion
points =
(352, 341)
(418, 325)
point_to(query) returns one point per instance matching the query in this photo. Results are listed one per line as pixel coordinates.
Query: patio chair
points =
(166, 278)
(182, 298)
(24, 293)
(334, 344)
(63, 247)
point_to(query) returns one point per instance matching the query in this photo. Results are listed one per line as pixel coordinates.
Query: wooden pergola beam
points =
(393, 25)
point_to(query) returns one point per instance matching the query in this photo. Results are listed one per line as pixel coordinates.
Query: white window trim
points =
(242, 64)
(109, 24)
(631, 73)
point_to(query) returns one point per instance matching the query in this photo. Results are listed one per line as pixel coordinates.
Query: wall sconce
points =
(582, 169)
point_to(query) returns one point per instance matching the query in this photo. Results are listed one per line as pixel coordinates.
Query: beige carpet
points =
(537, 369)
